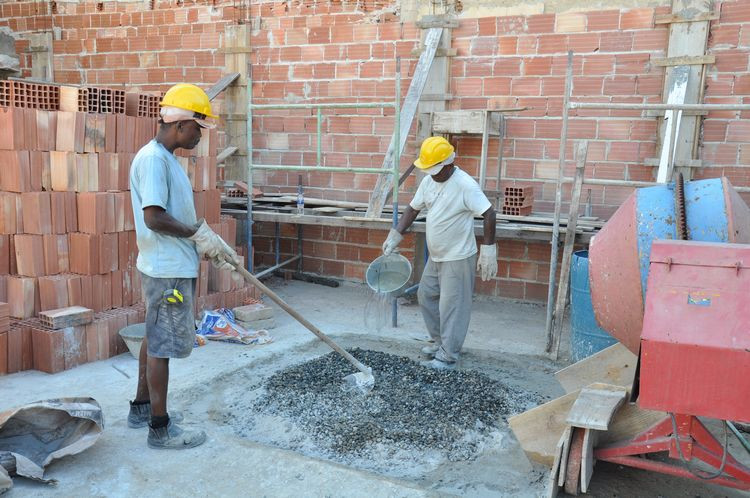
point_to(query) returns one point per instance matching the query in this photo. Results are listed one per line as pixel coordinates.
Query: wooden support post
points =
(687, 39)
(236, 43)
(40, 46)
(553, 341)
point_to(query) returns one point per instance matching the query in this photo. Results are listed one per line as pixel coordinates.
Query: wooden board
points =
(565, 451)
(594, 408)
(614, 365)
(465, 122)
(587, 458)
(575, 459)
(629, 421)
(327, 209)
(552, 486)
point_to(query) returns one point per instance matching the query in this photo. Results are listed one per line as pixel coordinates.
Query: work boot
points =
(174, 437)
(436, 364)
(430, 349)
(140, 415)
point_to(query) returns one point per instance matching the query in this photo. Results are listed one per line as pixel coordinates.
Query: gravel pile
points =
(410, 408)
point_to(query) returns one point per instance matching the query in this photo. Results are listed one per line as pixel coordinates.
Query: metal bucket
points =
(388, 274)
(133, 336)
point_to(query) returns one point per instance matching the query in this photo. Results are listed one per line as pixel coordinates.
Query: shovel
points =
(362, 381)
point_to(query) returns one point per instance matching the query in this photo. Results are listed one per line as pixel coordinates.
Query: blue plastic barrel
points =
(586, 337)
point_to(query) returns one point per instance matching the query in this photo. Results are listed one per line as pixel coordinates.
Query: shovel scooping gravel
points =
(362, 381)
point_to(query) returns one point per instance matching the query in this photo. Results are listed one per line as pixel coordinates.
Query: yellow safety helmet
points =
(434, 150)
(188, 97)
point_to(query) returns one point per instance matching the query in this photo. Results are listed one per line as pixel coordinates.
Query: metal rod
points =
(483, 154)
(275, 267)
(612, 183)
(277, 244)
(249, 180)
(396, 167)
(658, 107)
(411, 289)
(320, 118)
(739, 436)
(343, 105)
(299, 247)
(374, 171)
(558, 200)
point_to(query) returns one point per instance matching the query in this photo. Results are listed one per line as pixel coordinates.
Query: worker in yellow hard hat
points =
(452, 199)
(170, 242)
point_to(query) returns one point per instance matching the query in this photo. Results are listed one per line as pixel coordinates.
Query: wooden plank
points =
(224, 154)
(236, 37)
(42, 66)
(437, 21)
(408, 111)
(440, 52)
(629, 421)
(538, 430)
(677, 18)
(587, 458)
(614, 365)
(671, 123)
(575, 460)
(684, 60)
(594, 408)
(221, 85)
(465, 122)
(552, 486)
(327, 209)
(565, 451)
(553, 339)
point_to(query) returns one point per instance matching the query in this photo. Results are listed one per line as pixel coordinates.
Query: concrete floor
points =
(120, 464)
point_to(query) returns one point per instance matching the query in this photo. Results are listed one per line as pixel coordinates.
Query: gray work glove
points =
(487, 263)
(392, 241)
(210, 245)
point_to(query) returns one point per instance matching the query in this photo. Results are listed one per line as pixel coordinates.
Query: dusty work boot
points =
(140, 415)
(430, 349)
(174, 437)
(436, 364)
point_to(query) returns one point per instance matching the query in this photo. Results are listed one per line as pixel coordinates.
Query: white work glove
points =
(210, 245)
(392, 241)
(487, 264)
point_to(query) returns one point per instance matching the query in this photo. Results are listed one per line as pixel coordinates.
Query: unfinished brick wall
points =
(343, 52)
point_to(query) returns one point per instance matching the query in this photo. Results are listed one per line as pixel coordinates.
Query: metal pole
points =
(277, 244)
(339, 105)
(558, 201)
(396, 164)
(660, 107)
(320, 113)
(249, 218)
(375, 171)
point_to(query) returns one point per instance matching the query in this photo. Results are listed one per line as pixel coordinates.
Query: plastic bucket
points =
(586, 337)
(388, 274)
(133, 336)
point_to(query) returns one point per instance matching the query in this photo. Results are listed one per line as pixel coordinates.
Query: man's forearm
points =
(162, 222)
(407, 219)
(489, 226)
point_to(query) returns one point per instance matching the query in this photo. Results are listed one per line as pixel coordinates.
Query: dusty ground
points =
(503, 340)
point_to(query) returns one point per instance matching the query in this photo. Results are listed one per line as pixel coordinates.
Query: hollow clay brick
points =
(29, 251)
(4, 254)
(53, 292)
(22, 296)
(37, 215)
(12, 130)
(84, 253)
(49, 349)
(63, 171)
(71, 128)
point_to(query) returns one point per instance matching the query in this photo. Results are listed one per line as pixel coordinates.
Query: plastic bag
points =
(219, 325)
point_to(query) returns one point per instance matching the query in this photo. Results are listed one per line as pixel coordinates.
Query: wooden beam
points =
(594, 408)
(684, 60)
(221, 85)
(614, 365)
(440, 52)
(676, 18)
(42, 66)
(441, 21)
(224, 154)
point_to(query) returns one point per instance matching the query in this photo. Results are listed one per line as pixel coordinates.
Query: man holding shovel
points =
(453, 199)
(170, 242)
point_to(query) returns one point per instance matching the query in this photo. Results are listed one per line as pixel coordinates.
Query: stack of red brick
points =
(67, 231)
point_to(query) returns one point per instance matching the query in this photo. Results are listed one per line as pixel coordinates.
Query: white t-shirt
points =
(451, 208)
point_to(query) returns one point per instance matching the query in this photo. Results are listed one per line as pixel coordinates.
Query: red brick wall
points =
(330, 51)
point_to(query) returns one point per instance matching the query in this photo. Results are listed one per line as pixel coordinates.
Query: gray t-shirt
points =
(157, 179)
(451, 208)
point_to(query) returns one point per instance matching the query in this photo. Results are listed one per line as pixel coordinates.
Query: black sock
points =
(139, 403)
(159, 422)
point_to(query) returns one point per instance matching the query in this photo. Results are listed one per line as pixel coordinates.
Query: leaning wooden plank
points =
(629, 421)
(552, 486)
(594, 408)
(575, 461)
(587, 458)
(66, 317)
(221, 85)
(565, 450)
(538, 430)
(613, 365)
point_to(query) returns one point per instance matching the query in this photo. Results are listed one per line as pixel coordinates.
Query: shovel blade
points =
(360, 381)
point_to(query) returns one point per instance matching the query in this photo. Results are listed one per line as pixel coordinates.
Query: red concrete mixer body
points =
(695, 345)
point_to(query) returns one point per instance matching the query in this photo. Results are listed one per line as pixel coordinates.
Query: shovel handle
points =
(312, 328)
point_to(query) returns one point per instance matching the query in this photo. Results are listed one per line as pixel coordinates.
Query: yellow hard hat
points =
(188, 97)
(434, 150)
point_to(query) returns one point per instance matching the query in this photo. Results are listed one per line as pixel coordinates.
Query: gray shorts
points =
(170, 328)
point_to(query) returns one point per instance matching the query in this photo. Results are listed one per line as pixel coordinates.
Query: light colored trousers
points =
(445, 300)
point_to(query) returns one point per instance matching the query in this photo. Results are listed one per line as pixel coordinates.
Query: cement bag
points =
(219, 325)
(38, 433)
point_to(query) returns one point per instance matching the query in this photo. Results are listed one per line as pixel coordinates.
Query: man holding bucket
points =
(453, 199)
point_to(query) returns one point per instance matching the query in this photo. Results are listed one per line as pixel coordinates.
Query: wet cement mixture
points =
(410, 408)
